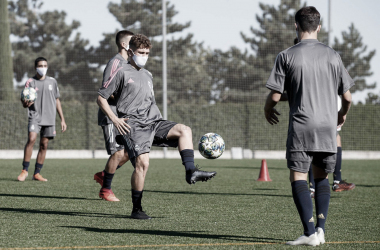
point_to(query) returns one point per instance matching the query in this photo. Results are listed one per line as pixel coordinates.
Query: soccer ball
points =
(211, 146)
(29, 94)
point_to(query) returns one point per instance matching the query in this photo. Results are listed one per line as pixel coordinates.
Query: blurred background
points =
(219, 57)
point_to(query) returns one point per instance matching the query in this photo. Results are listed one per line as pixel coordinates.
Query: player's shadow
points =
(245, 167)
(45, 196)
(225, 194)
(190, 234)
(51, 212)
(367, 186)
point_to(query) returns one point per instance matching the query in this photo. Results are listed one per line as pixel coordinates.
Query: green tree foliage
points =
(187, 79)
(6, 69)
(46, 34)
(372, 99)
(358, 64)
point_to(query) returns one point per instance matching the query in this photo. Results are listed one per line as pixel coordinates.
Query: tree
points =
(6, 69)
(372, 99)
(187, 79)
(352, 50)
(47, 34)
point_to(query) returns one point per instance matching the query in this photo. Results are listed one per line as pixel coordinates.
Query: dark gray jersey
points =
(313, 76)
(113, 66)
(44, 109)
(133, 91)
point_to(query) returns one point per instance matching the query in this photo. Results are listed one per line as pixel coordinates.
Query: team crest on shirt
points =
(137, 147)
(50, 87)
(151, 87)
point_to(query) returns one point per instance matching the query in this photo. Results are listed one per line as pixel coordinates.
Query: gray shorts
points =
(141, 139)
(45, 131)
(110, 132)
(300, 161)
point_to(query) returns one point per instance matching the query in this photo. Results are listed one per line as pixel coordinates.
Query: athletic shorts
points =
(110, 132)
(45, 131)
(300, 161)
(141, 139)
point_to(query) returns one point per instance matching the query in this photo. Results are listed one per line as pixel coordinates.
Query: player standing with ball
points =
(313, 76)
(41, 117)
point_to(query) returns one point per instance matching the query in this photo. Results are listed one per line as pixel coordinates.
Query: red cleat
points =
(343, 186)
(98, 177)
(23, 175)
(107, 194)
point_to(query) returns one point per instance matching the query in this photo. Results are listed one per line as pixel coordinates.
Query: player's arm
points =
(60, 113)
(346, 104)
(269, 110)
(119, 123)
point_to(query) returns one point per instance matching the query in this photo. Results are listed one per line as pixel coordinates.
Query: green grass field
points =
(232, 211)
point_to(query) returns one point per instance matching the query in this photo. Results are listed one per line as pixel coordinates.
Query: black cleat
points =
(195, 175)
(139, 214)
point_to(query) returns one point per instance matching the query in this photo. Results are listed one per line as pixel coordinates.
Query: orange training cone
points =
(264, 174)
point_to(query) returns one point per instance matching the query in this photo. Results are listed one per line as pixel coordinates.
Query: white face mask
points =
(126, 48)
(42, 71)
(140, 60)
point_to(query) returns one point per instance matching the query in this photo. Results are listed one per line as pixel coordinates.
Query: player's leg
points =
(339, 184)
(40, 159)
(299, 165)
(137, 184)
(323, 163)
(28, 150)
(311, 182)
(183, 134)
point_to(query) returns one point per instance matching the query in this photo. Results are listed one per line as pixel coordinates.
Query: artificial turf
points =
(232, 211)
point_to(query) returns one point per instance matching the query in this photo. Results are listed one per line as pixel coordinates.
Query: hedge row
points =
(241, 125)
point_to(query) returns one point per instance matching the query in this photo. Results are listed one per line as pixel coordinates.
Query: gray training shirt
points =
(114, 65)
(44, 109)
(313, 76)
(133, 91)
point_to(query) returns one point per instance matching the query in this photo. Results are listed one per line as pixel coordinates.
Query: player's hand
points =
(63, 126)
(121, 125)
(271, 116)
(26, 104)
(341, 119)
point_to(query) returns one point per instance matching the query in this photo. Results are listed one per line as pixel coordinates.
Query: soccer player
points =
(140, 123)
(41, 117)
(116, 151)
(339, 184)
(313, 75)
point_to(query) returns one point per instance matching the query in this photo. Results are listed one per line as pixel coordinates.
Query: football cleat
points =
(139, 214)
(321, 235)
(192, 176)
(98, 177)
(311, 240)
(23, 175)
(107, 194)
(343, 186)
(38, 177)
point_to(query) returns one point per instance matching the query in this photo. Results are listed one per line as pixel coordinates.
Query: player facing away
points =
(313, 75)
(116, 151)
(41, 117)
(339, 184)
(140, 123)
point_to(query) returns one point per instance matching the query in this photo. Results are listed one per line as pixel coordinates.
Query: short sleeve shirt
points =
(133, 91)
(313, 76)
(44, 109)
(113, 66)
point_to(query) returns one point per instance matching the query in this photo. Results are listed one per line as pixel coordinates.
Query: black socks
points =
(338, 166)
(187, 156)
(136, 199)
(107, 180)
(25, 165)
(37, 170)
(322, 201)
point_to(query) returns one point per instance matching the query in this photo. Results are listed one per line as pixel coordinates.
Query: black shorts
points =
(110, 132)
(300, 161)
(141, 139)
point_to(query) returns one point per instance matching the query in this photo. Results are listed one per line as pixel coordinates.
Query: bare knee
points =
(119, 155)
(319, 173)
(142, 165)
(185, 130)
(43, 146)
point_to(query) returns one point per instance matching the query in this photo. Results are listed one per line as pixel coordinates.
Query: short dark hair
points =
(39, 59)
(295, 41)
(308, 19)
(140, 41)
(121, 34)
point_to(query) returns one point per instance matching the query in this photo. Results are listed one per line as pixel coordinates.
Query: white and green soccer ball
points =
(211, 146)
(29, 94)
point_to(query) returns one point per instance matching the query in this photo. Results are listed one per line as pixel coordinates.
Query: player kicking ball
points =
(41, 117)
(116, 151)
(313, 76)
(140, 124)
